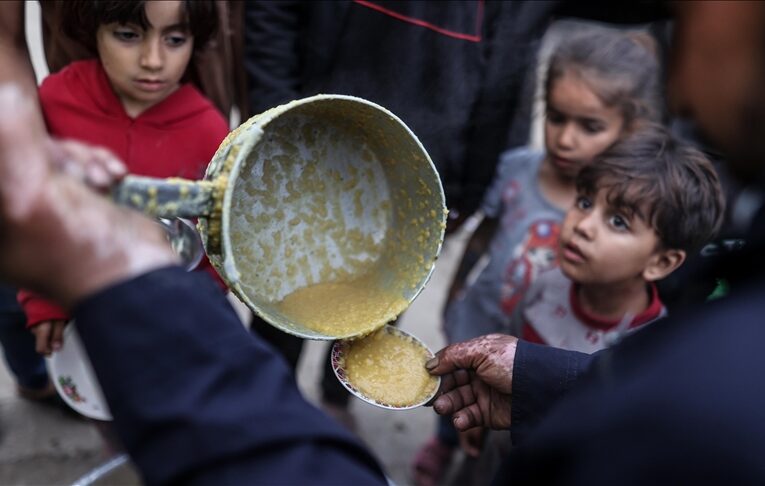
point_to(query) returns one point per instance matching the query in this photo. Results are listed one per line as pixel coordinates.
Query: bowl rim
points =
(338, 355)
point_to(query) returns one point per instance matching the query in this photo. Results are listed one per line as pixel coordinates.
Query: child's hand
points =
(471, 441)
(49, 336)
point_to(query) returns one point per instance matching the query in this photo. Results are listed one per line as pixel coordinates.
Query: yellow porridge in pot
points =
(342, 308)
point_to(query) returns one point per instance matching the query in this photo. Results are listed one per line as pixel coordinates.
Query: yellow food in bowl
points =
(342, 309)
(390, 368)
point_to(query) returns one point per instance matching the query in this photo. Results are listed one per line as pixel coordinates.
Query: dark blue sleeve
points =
(542, 375)
(677, 402)
(198, 399)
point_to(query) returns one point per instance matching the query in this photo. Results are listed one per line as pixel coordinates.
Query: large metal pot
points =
(330, 192)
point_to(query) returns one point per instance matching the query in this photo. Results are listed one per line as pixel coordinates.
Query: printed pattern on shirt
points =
(537, 253)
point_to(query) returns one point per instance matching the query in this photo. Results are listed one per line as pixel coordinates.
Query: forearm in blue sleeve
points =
(198, 399)
(542, 375)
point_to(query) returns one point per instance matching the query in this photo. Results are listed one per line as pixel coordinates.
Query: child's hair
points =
(82, 18)
(666, 182)
(622, 69)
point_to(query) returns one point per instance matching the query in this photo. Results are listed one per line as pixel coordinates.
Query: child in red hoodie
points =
(134, 101)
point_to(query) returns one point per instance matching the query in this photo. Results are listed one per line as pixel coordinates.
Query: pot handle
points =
(166, 198)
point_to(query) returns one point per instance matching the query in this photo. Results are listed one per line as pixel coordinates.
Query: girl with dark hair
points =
(133, 100)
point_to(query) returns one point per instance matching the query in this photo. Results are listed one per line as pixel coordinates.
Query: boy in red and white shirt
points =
(641, 207)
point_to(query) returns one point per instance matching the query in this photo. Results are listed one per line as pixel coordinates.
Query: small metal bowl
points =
(185, 240)
(340, 351)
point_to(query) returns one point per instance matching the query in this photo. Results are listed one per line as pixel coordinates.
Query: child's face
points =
(145, 67)
(578, 126)
(599, 244)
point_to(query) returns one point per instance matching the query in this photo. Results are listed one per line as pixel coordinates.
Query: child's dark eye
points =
(592, 127)
(554, 117)
(126, 35)
(619, 222)
(583, 202)
(176, 40)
